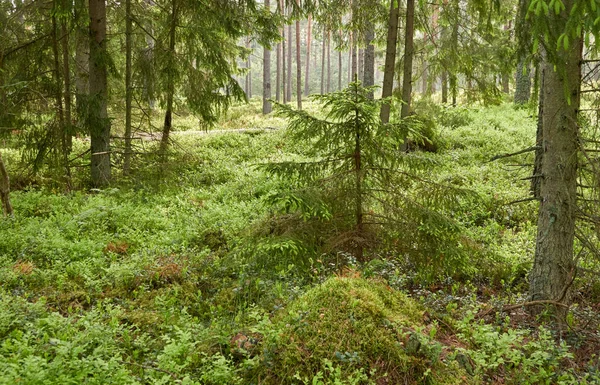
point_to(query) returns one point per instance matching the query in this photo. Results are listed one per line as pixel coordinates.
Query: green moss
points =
(358, 323)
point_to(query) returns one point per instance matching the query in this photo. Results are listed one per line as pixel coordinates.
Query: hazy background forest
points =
(299, 192)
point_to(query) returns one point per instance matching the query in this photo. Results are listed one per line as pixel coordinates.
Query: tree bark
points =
(328, 61)
(536, 179)
(390, 60)
(68, 131)
(128, 87)
(82, 58)
(408, 58)
(350, 57)
(554, 266)
(289, 64)
(523, 83)
(369, 62)
(323, 57)
(267, 108)
(308, 48)
(5, 190)
(283, 70)
(98, 123)
(298, 64)
(444, 80)
(278, 74)
(340, 65)
(168, 123)
(361, 64)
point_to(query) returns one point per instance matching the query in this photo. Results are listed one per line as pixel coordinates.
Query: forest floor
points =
(171, 275)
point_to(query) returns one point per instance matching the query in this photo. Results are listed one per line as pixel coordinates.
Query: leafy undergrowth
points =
(159, 279)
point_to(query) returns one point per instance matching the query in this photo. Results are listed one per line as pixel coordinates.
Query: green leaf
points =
(566, 42)
(593, 5)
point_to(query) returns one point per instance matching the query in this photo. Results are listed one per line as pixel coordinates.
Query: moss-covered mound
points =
(353, 328)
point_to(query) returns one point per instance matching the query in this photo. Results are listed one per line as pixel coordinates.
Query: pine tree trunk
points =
(289, 64)
(82, 58)
(298, 64)
(98, 123)
(168, 123)
(68, 132)
(369, 62)
(361, 64)
(328, 61)
(554, 266)
(408, 59)
(283, 60)
(5, 190)
(505, 83)
(278, 75)
(350, 44)
(444, 80)
(308, 48)
(523, 83)
(390, 60)
(57, 79)
(323, 58)
(340, 65)
(267, 108)
(128, 87)
(536, 179)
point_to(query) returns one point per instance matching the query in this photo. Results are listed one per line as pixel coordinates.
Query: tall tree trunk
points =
(505, 83)
(289, 64)
(68, 132)
(267, 73)
(328, 61)
(523, 83)
(536, 179)
(390, 60)
(58, 94)
(278, 75)
(298, 64)
(369, 63)
(164, 141)
(444, 80)
(128, 87)
(98, 122)
(554, 266)
(5, 190)
(408, 58)
(323, 58)
(350, 44)
(308, 47)
(283, 60)
(361, 64)
(340, 65)
(82, 58)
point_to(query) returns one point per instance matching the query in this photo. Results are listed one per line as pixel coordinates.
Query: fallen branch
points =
(529, 149)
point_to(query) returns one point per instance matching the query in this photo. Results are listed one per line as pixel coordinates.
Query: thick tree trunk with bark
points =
(5, 190)
(350, 57)
(308, 47)
(523, 83)
(554, 266)
(170, 91)
(390, 60)
(97, 118)
(361, 64)
(128, 87)
(408, 58)
(267, 108)
(278, 74)
(536, 179)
